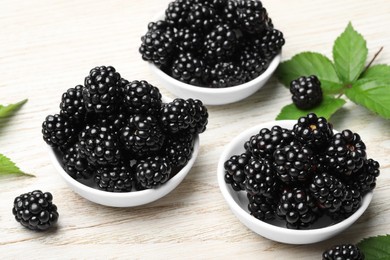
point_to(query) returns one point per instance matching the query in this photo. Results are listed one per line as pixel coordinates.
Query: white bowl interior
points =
(276, 230)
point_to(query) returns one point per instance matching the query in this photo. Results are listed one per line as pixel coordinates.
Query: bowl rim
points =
(241, 213)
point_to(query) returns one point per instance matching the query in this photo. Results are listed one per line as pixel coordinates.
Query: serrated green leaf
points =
(310, 63)
(8, 110)
(349, 54)
(7, 167)
(327, 108)
(374, 94)
(380, 71)
(376, 248)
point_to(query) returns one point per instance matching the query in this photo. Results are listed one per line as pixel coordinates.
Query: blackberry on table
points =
(188, 68)
(176, 116)
(262, 207)
(116, 178)
(58, 131)
(72, 104)
(35, 210)
(226, 74)
(306, 92)
(152, 172)
(235, 171)
(178, 148)
(75, 165)
(199, 116)
(252, 16)
(344, 251)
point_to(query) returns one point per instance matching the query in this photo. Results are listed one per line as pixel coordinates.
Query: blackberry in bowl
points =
(129, 146)
(282, 192)
(219, 52)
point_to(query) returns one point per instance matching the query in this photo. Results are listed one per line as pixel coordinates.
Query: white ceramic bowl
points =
(215, 96)
(123, 199)
(276, 231)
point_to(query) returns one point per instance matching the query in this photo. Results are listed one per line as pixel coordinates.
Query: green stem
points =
(372, 60)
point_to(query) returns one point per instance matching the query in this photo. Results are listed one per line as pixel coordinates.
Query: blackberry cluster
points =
(121, 134)
(344, 251)
(304, 173)
(212, 43)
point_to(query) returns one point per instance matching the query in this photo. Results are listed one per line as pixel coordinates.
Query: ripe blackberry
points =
(176, 116)
(350, 205)
(116, 178)
(261, 178)
(199, 116)
(72, 104)
(217, 5)
(142, 135)
(99, 145)
(140, 97)
(261, 207)
(252, 16)
(251, 62)
(297, 207)
(188, 40)
(102, 89)
(153, 171)
(234, 171)
(177, 12)
(306, 92)
(76, 166)
(264, 144)
(314, 131)
(113, 122)
(294, 163)
(220, 44)
(35, 210)
(271, 42)
(201, 18)
(328, 191)
(346, 152)
(344, 251)
(58, 131)
(158, 25)
(226, 74)
(364, 179)
(178, 148)
(188, 69)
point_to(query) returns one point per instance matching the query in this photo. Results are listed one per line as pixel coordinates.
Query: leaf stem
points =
(372, 60)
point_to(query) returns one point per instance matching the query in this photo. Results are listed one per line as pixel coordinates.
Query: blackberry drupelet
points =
(188, 69)
(346, 152)
(99, 145)
(261, 207)
(188, 40)
(252, 16)
(76, 166)
(314, 131)
(72, 104)
(178, 148)
(294, 163)
(364, 179)
(140, 97)
(199, 116)
(271, 42)
(344, 251)
(35, 210)
(177, 12)
(202, 18)
(235, 171)
(297, 207)
(116, 178)
(142, 135)
(58, 131)
(226, 74)
(264, 144)
(176, 116)
(328, 191)
(220, 44)
(153, 171)
(102, 90)
(306, 92)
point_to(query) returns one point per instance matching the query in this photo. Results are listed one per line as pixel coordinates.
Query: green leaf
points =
(327, 108)
(374, 94)
(349, 54)
(376, 248)
(310, 63)
(380, 71)
(7, 167)
(6, 111)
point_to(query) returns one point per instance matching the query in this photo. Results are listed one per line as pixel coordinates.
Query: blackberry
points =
(350, 205)
(177, 12)
(189, 40)
(158, 25)
(142, 135)
(346, 152)
(226, 74)
(220, 44)
(58, 131)
(176, 116)
(199, 116)
(271, 42)
(217, 5)
(251, 62)
(99, 145)
(314, 131)
(35, 210)
(140, 97)
(328, 191)
(252, 16)
(264, 144)
(261, 207)
(153, 171)
(76, 166)
(72, 104)
(306, 92)
(234, 171)
(344, 251)
(102, 89)
(188, 69)
(230, 13)
(201, 18)
(297, 207)
(364, 179)
(294, 163)
(178, 148)
(117, 178)
(260, 178)
(113, 122)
